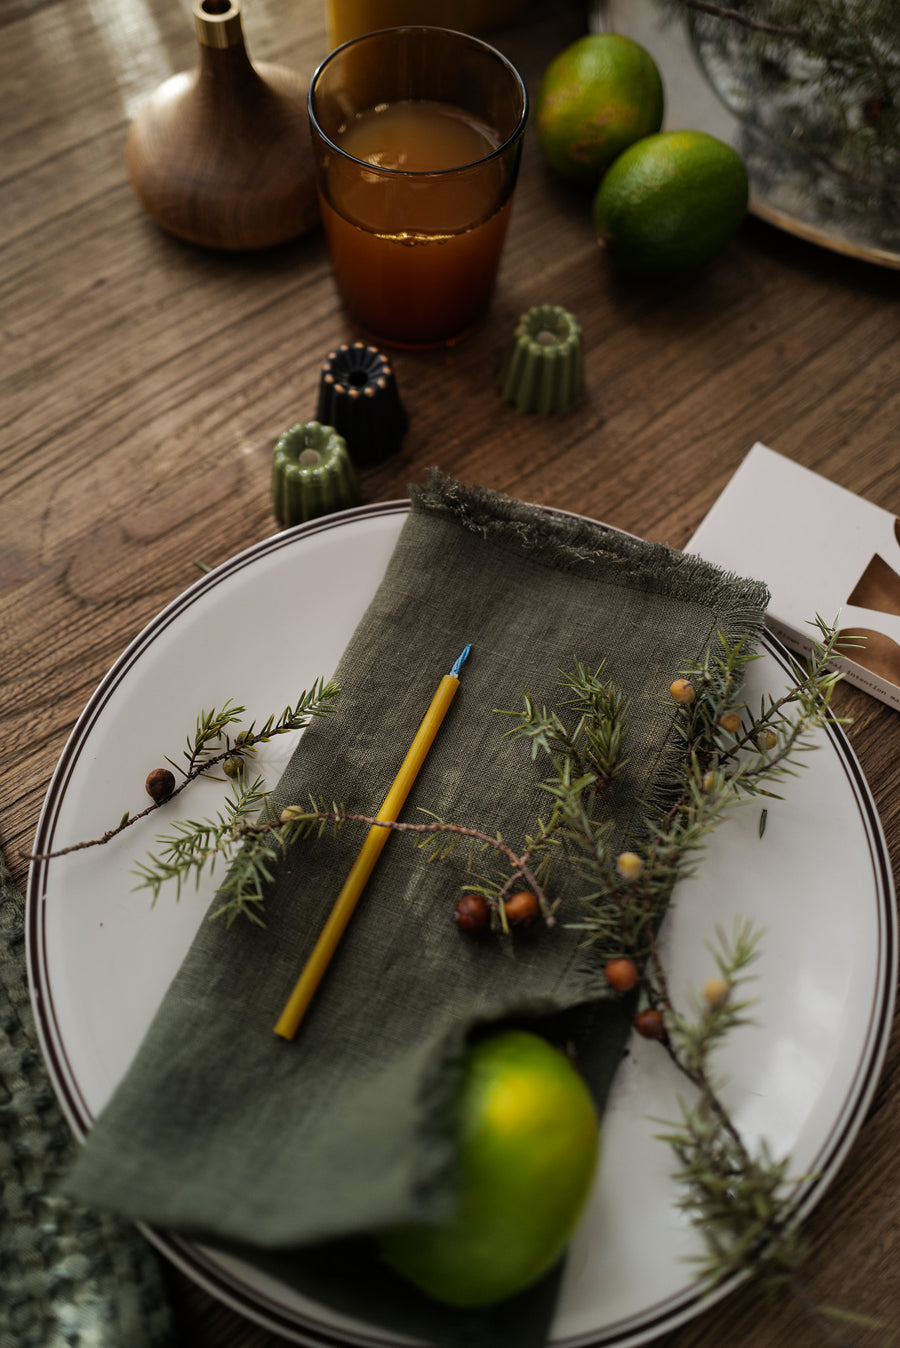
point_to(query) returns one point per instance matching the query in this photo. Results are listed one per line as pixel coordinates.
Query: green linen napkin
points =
(288, 1152)
(69, 1275)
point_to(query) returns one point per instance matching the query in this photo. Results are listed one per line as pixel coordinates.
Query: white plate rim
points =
(227, 1285)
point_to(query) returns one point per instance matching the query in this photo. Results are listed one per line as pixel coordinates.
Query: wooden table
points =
(144, 383)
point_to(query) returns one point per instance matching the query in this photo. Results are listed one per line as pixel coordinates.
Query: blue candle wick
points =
(454, 673)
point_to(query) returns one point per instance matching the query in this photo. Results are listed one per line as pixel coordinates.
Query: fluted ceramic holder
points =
(312, 474)
(543, 369)
(221, 156)
(358, 396)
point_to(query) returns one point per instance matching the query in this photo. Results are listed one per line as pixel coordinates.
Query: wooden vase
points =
(221, 155)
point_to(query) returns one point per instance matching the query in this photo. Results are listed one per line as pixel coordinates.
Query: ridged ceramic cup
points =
(312, 474)
(358, 396)
(543, 370)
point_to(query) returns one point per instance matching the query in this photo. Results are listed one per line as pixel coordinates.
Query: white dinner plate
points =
(261, 628)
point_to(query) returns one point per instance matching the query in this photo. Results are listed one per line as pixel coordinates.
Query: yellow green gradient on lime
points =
(670, 203)
(528, 1143)
(596, 97)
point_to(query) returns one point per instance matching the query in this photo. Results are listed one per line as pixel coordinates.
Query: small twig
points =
(129, 819)
(315, 703)
(743, 20)
(519, 864)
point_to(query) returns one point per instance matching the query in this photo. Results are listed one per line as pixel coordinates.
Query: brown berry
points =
(160, 784)
(683, 691)
(872, 109)
(730, 721)
(472, 914)
(522, 909)
(621, 974)
(649, 1024)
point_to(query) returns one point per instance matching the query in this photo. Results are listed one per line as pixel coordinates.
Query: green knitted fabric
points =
(70, 1276)
(288, 1153)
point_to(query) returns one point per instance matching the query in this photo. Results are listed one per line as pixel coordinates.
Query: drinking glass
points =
(417, 133)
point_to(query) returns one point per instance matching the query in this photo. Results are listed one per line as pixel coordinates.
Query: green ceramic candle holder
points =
(543, 368)
(311, 474)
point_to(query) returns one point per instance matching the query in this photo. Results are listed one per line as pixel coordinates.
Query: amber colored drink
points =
(415, 252)
(350, 18)
(417, 133)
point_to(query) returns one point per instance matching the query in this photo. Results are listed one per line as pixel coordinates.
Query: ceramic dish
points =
(776, 195)
(818, 881)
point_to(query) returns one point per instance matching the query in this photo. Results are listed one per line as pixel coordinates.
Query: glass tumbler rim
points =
(471, 40)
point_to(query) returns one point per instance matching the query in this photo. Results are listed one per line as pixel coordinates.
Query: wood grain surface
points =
(144, 381)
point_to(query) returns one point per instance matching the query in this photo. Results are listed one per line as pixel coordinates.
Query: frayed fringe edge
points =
(582, 546)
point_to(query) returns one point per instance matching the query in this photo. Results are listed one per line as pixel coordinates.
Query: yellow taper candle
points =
(347, 899)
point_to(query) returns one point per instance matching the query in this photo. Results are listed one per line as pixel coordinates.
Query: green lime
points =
(595, 99)
(528, 1141)
(670, 203)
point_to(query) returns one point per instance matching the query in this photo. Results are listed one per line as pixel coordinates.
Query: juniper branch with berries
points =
(738, 1199)
(210, 745)
(727, 753)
